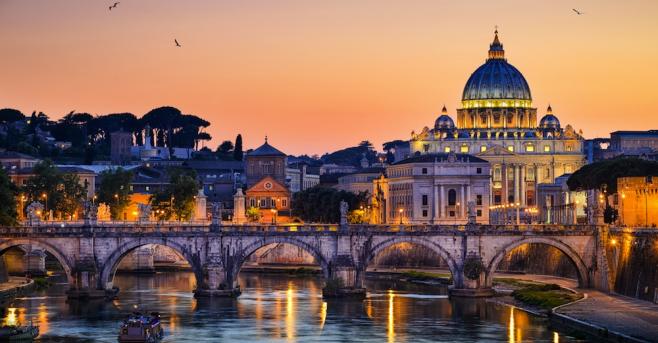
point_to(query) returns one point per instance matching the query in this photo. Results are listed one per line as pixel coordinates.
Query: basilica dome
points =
(549, 121)
(496, 83)
(444, 121)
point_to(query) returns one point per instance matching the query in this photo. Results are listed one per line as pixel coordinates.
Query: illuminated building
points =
(433, 189)
(637, 201)
(266, 179)
(497, 123)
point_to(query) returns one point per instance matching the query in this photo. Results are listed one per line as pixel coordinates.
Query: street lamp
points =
(273, 215)
(45, 201)
(400, 211)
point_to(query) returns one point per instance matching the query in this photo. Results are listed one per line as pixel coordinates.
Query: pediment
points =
(267, 184)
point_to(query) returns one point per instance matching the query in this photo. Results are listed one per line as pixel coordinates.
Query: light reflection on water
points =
(278, 308)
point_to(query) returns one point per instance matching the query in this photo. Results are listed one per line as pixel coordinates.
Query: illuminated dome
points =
(549, 121)
(444, 121)
(496, 83)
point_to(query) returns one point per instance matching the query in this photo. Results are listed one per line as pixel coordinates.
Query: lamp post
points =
(518, 213)
(400, 212)
(273, 216)
(45, 201)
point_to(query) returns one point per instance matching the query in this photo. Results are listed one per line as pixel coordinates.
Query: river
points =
(280, 308)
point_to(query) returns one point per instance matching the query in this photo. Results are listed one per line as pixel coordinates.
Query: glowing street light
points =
(401, 210)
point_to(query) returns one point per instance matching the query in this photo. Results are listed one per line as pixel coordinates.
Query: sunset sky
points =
(316, 76)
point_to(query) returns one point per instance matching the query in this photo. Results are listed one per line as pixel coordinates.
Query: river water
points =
(280, 308)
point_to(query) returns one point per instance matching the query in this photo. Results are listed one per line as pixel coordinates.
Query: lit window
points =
(483, 148)
(464, 148)
(529, 148)
(147, 188)
(510, 147)
(446, 149)
(547, 148)
(569, 148)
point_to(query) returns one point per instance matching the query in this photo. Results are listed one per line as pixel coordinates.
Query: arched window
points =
(452, 197)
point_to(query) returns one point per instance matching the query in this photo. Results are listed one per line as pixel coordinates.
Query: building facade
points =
(638, 201)
(436, 188)
(361, 181)
(497, 123)
(266, 182)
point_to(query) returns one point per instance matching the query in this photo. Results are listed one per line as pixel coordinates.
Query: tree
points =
(114, 190)
(321, 204)
(178, 199)
(237, 151)
(72, 195)
(10, 115)
(59, 192)
(8, 194)
(225, 148)
(595, 175)
(253, 214)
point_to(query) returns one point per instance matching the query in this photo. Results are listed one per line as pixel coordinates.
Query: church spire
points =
(444, 110)
(496, 48)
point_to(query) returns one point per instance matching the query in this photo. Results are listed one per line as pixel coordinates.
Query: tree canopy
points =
(60, 192)
(352, 156)
(178, 199)
(10, 115)
(8, 193)
(322, 204)
(597, 174)
(114, 190)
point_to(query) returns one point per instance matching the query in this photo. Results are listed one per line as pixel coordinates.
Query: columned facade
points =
(437, 189)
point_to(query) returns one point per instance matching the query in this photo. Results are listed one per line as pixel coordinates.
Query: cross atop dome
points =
(496, 50)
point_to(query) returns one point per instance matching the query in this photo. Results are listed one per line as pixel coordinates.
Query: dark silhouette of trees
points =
(114, 190)
(238, 154)
(60, 192)
(8, 194)
(178, 199)
(322, 204)
(10, 115)
(352, 156)
(597, 174)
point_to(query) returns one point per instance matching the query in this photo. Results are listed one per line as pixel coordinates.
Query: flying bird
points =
(176, 41)
(114, 5)
(578, 12)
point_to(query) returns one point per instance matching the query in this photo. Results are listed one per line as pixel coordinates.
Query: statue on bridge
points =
(144, 212)
(34, 212)
(103, 212)
(217, 213)
(90, 212)
(471, 212)
(344, 207)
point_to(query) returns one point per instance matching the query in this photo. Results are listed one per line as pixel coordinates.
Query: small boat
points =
(141, 328)
(18, 333)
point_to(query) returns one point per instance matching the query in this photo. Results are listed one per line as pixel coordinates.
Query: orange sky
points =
(316, 76)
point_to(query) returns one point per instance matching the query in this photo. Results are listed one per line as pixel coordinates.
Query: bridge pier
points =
(345, 279)
(85, 283)
(470, 279)
(35, 263)
(216, 283)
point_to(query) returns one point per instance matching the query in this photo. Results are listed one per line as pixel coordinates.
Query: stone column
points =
(523, 185)
(516, 183)
(462, 205)
(443, 202)
(504, 189)
(435, 204)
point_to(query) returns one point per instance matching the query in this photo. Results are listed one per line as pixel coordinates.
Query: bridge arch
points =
(244, 253)
(579, 264)
(111, 264)
(53, 250)
(436, 248)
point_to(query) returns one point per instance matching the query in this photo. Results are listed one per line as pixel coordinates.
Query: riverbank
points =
(16, 286)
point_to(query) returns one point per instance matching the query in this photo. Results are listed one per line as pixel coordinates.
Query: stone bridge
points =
(90, 254)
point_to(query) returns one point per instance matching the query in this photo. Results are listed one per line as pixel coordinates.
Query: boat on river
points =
(18, 333)
(140, 328)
